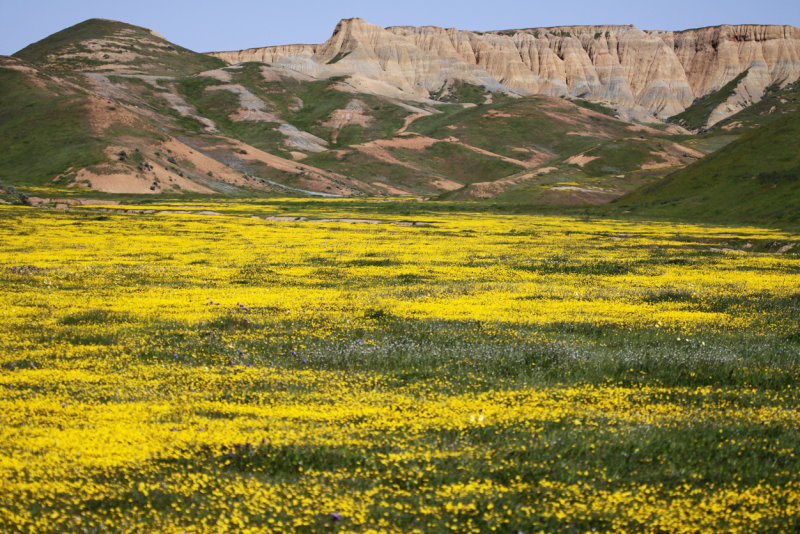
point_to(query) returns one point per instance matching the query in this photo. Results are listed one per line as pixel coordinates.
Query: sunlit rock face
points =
(642, 74)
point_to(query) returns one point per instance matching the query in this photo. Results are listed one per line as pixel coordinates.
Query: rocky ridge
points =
(642, 74)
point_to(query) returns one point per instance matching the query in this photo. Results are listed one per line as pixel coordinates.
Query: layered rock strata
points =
(642, 74)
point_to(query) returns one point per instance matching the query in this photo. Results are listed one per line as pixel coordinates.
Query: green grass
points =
(775, 103)
(352, 134)
(86, 30)
(218, 105)
(594, 106)
(753, 179)
(708, 142)
(338, 57)
(42, 133)
(531, 122)
(445, 160)
(696, 116)
(160, 56)
(621, 157)
(364, 167)
(320, 99)
(464, 165)
(462, 93)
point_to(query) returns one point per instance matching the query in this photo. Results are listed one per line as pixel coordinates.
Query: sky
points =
(216, 25)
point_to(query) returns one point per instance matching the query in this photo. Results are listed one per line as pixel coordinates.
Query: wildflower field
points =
(379, 368)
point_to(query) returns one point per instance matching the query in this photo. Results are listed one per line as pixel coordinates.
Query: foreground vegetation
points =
(211, 367)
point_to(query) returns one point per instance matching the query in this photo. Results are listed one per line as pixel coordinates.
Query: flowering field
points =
(375, 368)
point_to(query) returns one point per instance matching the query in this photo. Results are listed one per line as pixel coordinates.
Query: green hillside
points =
(755, 179)
(517, 128)
(776, 102)
(43, 130)
(113, 101)
(98, 45)
(696, 116)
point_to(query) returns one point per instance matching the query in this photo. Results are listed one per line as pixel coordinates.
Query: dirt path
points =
(378, 149)
(525, 164)
(409, 119)
(314, 179)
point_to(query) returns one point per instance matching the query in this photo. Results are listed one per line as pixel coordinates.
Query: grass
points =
(42, 133)
(159, 56)
(440, 160)
(490, 371)
(755, 178)
(84, 31)
(362, 166)
(218, 105)
(320, 100)
(465, 166)
(462, 93)
(696, 116)
(594, 106)
(536, 123)
(775, 103)
(620, 157)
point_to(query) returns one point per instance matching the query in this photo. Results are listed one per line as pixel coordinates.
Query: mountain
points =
(754, 179)
(109, 46)
(105, 108)
(97, 107)
(643, 74)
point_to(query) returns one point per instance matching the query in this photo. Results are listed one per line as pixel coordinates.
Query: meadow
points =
(381, 367)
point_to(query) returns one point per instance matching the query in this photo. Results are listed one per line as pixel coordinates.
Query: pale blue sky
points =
(205, 25)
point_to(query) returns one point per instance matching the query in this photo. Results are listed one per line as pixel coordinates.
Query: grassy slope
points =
(543, 125)
(320, 99)
(35, 123)
(42, 132)
(561, 129)
(696, 116)
(518, 123)
(753, 179)
(441, 160)
(775, 104)
(158, 55)
(83, 31)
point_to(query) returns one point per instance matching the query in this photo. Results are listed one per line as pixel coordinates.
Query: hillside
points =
(642, 74)
(104, 109)
(157, 118)
(115, 47)
(755, 179)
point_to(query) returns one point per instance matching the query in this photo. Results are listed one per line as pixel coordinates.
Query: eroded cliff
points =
(640, 73)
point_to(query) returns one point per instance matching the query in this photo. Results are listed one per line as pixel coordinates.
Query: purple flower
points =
(336, 517)
(294, 352)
